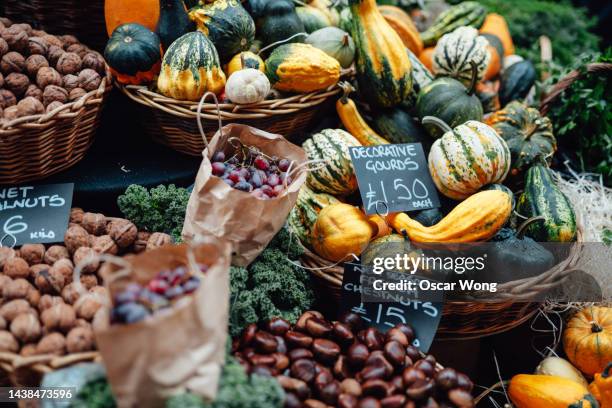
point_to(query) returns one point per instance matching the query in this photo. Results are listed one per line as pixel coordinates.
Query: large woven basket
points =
(83, 19)
(34, 147)
(512, 306)
(173, 123)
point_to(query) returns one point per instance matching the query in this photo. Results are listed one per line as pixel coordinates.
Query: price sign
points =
(394, 178)
(34, 214)
(422, 316)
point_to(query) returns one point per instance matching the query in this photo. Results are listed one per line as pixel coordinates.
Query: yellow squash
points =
(545, 391)
(354, 122)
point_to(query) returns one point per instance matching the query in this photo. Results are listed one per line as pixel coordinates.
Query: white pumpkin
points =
(467, 158)
(456, 51)
(247, 86)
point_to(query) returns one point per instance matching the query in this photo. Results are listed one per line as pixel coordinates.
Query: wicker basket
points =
(83, 19)
(173, 123)
(464, 320)
(34, 147)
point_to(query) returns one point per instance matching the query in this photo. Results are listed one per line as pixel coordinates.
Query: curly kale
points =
(95, 394)
(160, 209)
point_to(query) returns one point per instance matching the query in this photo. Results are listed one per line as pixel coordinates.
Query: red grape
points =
(235, 176)
(283, 165)
(273, 180)
(218, 157)
(279, 189)
(218, 168)
(261, 163)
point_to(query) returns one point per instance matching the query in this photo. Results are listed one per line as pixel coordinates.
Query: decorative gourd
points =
(354, 122)
(341, 230)
(426, 57)
(173, 22)
(516, 81)
(496, 53)
(336, 175)
(539, 391)
(601, 387)
(587, 339)
(280, 21)
(380, 225)
(448, 100)
(468, 13)
(457, 51)
(488, 95)
(256, 9)
(312, 18)
(346, 20)
(403, 26)
(328, 8)
(421, 75)
(334, 42)
(247, 86)
(560, 367)
(467, 158)
(527, 133)
(384, 72)
(119, 12)
(388, 247)
(397, 126)
(503, 188)
(496, 25)
(478, 218)
(191, 68)
(304, 214)
(429, 217)
(228, 25)
(301, 68)
(542, 197)
(249, 59)
(133, 54)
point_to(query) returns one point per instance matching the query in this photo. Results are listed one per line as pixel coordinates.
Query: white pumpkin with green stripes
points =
(334, 174)
(467, 158)
(456, 51)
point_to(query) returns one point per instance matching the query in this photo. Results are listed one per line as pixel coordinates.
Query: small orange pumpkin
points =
(426, 57)
(117, 12)
(587, 340)
(496, 24)
(341, 230)
(494, 63)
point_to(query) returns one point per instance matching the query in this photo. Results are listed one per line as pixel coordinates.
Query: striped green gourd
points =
(456, 51)
(334, 174)
(468, 13)
(304, 214)
(542, 197)
(421, 76)
(312, 18)
(503, 188)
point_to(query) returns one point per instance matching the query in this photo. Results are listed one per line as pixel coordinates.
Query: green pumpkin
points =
(542, 197)
(312, 18)
(388, 247)
(397, 126)
(429, 218)
(304, 214)
(227, 24)
(336, 43)
(501, 187)
(280, 22)
(468, 13)
(516, 81)
(527, 133)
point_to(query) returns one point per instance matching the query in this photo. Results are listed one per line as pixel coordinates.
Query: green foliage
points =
(271, 286)
(582, 115)
(161, 209)
(95, 394)
(607, 236)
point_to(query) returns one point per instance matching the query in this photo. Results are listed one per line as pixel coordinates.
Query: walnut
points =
(76, 237)
(25, 27)
(1, 116)
(8, 342)
(59, 317)
(78, 49)
(88, 258)
(55, 253)
(35, 269)
(12, 62)
(37, 45)
(16, 289)
(33, 253)
(99, 291)
(68, 63)
(65, 267)
(53, 343)
(47, 301)
(17, 83)
(80, 339)
(76, 93)
(3, 324)
(53, 40)
(141, 241)
(1, 80)
(87, 305)
(70, 294)
(16, 38)
(70, 82)
(105, 245)
(11, 113)
(54, 93)
(95, 61)
(76, 215)
(34, 63)
(4, 48)
(53, 106)
(89, 281)
(123, 232)
(100, 320)
(33, 297)
(158, 239)
(5, 253)
(50, 280)
(6, 21)
(28, 350)
(12, 309)
(89, 79)
(48, 76)
(4, 280)
(7, 98)
(26, 327)
(38, 33)
(94, 223)
(29, 106)
(82, 323)
(54, 54)
(68, 40)
(34, 92)
(16, 268)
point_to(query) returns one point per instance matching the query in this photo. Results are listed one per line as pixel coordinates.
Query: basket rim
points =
(44, 363)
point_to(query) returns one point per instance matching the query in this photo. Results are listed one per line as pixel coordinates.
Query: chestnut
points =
(357, 355)
(395, 353)
(324, 350)
(298, 353)
(411, 375)
(376, 388)
(303, 369)
(446, 379)
(397, 383)
(373, 339)
(393, 401)
(351, 386)
(347, 401)
(262, 370)
(296, 339)
(301, 322)
(278, 326)
(377, 358)
(264, 342)
(407, 330)
(342, 333)
(413, 353)
(298, 387)
(430, 403)
(311, 403)
(318, 327)
(281, 346)
(396, 334)
(341, 368)
(464, 382)
(426, 367)
(461, 398)
(353, 320)
(282, 361)
(371, 372)
(329, 392)
(369, 402)
(247, 335)
(320, 368)
(262, 360)
(324, 377)
(420, 389)
(292, 401)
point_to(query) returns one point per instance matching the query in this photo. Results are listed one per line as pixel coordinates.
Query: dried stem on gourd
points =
(520, 230)
(432, 120)
(474, 79)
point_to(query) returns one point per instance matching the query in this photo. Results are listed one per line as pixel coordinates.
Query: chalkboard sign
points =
(394, 178)
(34, 214)
(422, 316)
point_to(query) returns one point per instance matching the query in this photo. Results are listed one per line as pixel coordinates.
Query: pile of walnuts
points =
(40, 72)
(41, 310)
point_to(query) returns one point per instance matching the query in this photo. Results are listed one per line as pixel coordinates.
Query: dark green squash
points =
(516, 81)
(173, 22)
(542, 197)
(397, 126)
(429, 217)
(503, 188)
(468, 13)
(527, 133)
(387, 247)
(227, 24)
(313, 18)
(133, 54)
(256, 9)
(450, 101)
(280, 22)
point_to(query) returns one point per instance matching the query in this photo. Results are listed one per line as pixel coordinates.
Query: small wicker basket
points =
(173, 123)
(34, 147)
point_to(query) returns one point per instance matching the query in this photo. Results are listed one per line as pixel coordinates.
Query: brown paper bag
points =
(175, 349)
(247, 222)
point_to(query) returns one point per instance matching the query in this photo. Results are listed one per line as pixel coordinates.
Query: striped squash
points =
(312, 18)
(403, 26)
(304, 214)
(467, 158)
(421, 75)
(336, 174)
(456, 51)
(468, 13)
(542, 197)
(503, 188)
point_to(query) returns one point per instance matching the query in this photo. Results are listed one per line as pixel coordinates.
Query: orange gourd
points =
(601, 387)
(587, 340)
(494, 63)
(380, 225)
(496, 25)
(426, 57)
(403, 26)
(547, 391)
(117, 12)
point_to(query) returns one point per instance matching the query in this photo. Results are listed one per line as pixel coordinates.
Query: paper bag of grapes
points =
(246, 185)
(167, 327)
